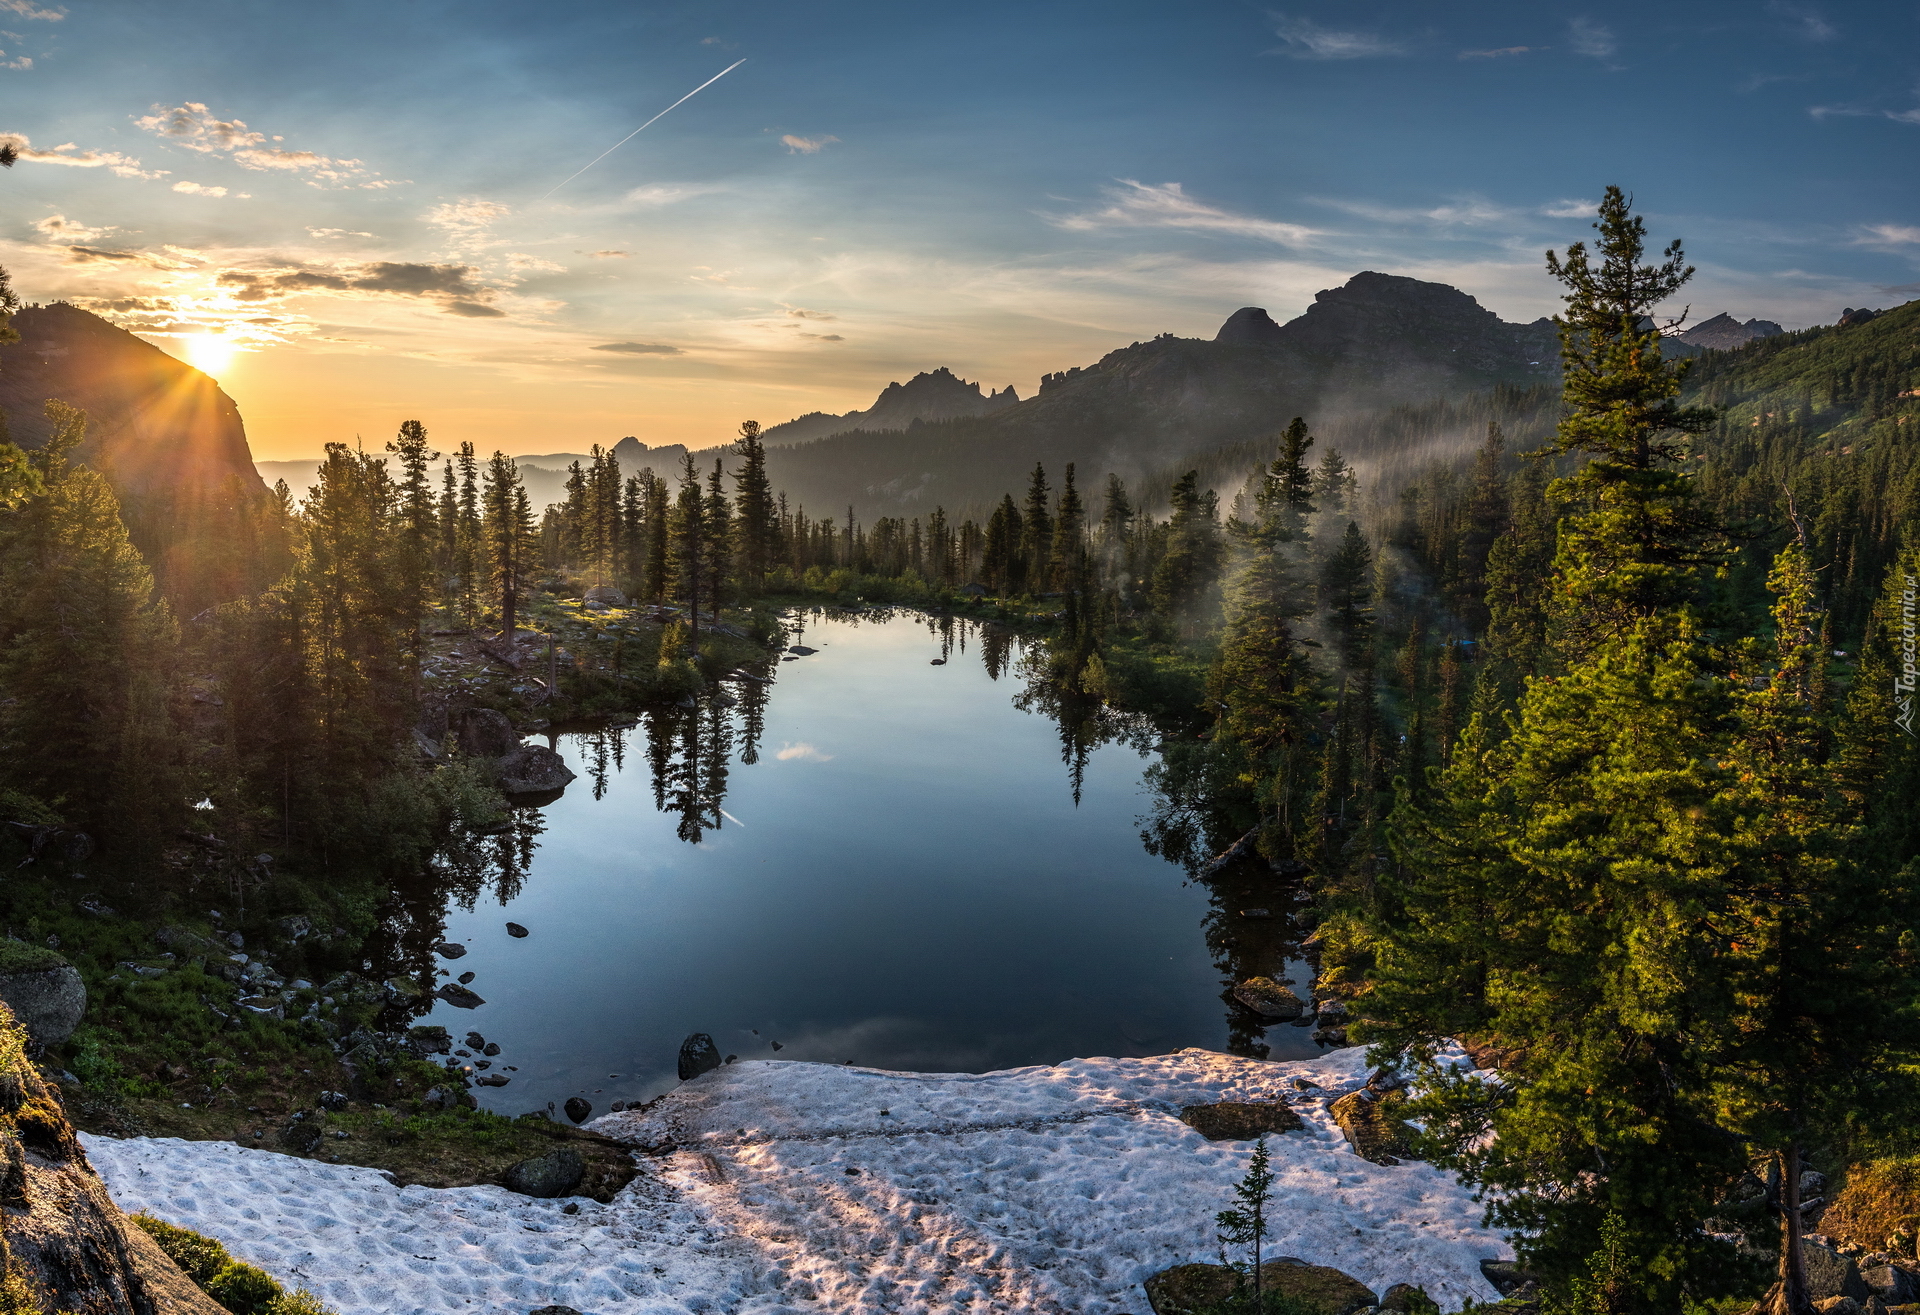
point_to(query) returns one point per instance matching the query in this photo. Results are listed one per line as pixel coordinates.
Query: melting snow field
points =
(796, 1187)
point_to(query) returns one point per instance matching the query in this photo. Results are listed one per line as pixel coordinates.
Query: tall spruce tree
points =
(757, 527)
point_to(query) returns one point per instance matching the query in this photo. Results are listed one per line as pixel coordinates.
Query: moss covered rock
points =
(44, 991)
(1372, 1124)
(1232, 1120)
(1193, 1289)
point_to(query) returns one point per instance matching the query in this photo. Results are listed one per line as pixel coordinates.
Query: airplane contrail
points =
(643, 127)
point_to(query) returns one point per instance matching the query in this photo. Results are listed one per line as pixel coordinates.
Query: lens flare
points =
(210, 352)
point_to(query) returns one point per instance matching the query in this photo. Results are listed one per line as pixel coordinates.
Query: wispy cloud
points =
(467, 221)
(805, 145)
(193, 126)
(1863, 112)
(1135, 204)
(69, 154)
(1468, 210)
(1570, 209)
(640, 349)
(1592, 39)
(1306, 39)
(610, 255)
(801, 751)
(455, 289)
(801, 313)
(1804, 21)
(521, 260)
(1889, 235)
(27, 9)
(18, 63)
(1496, 54)
(85, 255)
(337, 232)
(197, 189)
(659, 194)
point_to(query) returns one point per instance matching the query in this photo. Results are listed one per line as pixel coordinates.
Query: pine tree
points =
(508, 535)
(687, 548)
(417, 520)
(758, 529)
(1188, 568)
(1036, 543)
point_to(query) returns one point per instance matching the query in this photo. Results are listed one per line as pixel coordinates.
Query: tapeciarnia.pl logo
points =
(1903, 680)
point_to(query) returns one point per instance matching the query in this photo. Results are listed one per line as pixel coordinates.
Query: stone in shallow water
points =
(698, 1055)
(1268, 998)
(578, 1108)
(450, 950)
(516, 931)
(459, 996)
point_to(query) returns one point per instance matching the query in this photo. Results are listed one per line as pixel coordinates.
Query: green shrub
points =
(199, 1256)
(244, 1290)
(298, 1302)
(21, 957)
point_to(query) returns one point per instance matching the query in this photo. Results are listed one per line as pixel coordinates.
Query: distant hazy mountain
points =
(545, 475)
(1724, 333)
(1379, 341)
(154, 423)
(932, 395)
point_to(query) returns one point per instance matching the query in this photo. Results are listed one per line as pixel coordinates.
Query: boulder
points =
(1892, 1284)
(485, 733)
(1189, 1289)
(459, 996)
(1268, 998)
(1838, 1306)
(606, 595)
(578, 1108)
(1506, 1276)
(450, 950)
(1372, 1125)
(801, 650)
(493, 1080)
(44, 991)
(429, 1039)
(1830, 1274)
(533, 769)
(1407, 1298)
(554, 1174)
(518, 932)
(698, 1055)
(1232, 1120)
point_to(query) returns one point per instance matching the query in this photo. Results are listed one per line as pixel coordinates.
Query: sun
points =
(210, 353)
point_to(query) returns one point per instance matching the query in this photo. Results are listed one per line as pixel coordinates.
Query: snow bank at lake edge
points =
(795, 1187)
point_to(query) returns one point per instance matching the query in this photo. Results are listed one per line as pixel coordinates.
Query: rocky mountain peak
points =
(1723, 332)
(1249, 326)
(931, 395)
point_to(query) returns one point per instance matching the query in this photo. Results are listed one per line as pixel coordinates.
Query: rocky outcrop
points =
(554, 1174)
(1269, 998)
(44, 992)
(1372, 1124)
(63, 1233)
(153, 422)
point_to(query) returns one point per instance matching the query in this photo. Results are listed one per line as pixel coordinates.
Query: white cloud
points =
(196, 189)
(805, 145)
(337, 232)
(27, 9)
(1141, 205)
(521, 260)
(58, 228)
(1590, 38)
(1570, 209)
(1496, 54)
(193, 126)
(18, 63)
(803, 752)
(67, 153)
(1306, 39)
(1861, 112)
(610, 255)
(467, 216)
(801, 313)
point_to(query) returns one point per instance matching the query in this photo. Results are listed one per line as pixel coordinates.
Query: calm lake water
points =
(874, 859)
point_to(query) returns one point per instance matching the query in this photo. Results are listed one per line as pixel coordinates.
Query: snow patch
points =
(1052, 1189)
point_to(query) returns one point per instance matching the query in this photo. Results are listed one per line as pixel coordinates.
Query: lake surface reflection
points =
(875, 859)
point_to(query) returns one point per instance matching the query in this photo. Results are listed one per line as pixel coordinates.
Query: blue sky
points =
(354, 195)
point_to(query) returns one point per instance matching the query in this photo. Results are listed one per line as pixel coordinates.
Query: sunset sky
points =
(361, 198)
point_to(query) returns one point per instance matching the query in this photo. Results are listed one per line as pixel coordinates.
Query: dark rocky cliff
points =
(154, 424)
